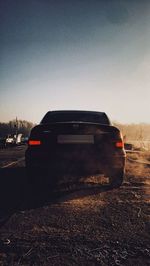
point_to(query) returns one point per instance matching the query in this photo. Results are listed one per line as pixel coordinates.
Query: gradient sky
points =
(75, 54)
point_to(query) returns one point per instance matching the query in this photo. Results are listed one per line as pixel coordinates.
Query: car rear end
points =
(77, 147)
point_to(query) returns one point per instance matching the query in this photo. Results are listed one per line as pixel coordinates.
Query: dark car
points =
(77, 141)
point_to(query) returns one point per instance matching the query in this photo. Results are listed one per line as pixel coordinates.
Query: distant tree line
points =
(15, 126)
(136, 132)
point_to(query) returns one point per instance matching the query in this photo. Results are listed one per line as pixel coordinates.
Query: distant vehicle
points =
(10, 140)
(128, 146)
(83, 140)
(18, 139)
(13, 140)
(25, 140)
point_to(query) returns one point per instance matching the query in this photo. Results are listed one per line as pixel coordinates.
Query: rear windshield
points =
(53, 117)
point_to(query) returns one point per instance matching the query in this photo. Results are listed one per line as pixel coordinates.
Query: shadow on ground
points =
(16, 194)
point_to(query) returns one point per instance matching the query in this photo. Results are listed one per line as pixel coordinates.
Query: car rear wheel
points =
(40, 178)
(116, 180)
(33, 176)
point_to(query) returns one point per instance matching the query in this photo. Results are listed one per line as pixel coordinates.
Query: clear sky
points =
(75, 54)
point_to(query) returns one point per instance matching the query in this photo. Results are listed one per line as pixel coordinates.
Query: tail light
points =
(34, 142)
(119, 144)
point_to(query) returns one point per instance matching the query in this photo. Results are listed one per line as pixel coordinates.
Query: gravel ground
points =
(78, 224)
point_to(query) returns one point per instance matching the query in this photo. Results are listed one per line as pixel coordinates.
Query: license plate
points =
(75, 139)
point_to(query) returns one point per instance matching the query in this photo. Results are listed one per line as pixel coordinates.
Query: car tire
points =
(32, 174)
(39, 178)
(116, 180)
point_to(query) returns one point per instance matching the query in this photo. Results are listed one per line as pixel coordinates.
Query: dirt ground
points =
(79, 224)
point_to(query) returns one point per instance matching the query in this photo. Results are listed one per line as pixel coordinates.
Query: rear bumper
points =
(75, 162)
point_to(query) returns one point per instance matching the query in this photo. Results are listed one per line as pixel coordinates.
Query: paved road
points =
(9, 156)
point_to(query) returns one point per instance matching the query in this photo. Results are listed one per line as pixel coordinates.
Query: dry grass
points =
(86, 227)
(138, 164)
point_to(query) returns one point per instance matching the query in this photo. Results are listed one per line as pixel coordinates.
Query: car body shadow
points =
(18, 194)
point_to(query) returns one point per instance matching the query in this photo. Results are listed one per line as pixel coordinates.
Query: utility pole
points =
(16, 128)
